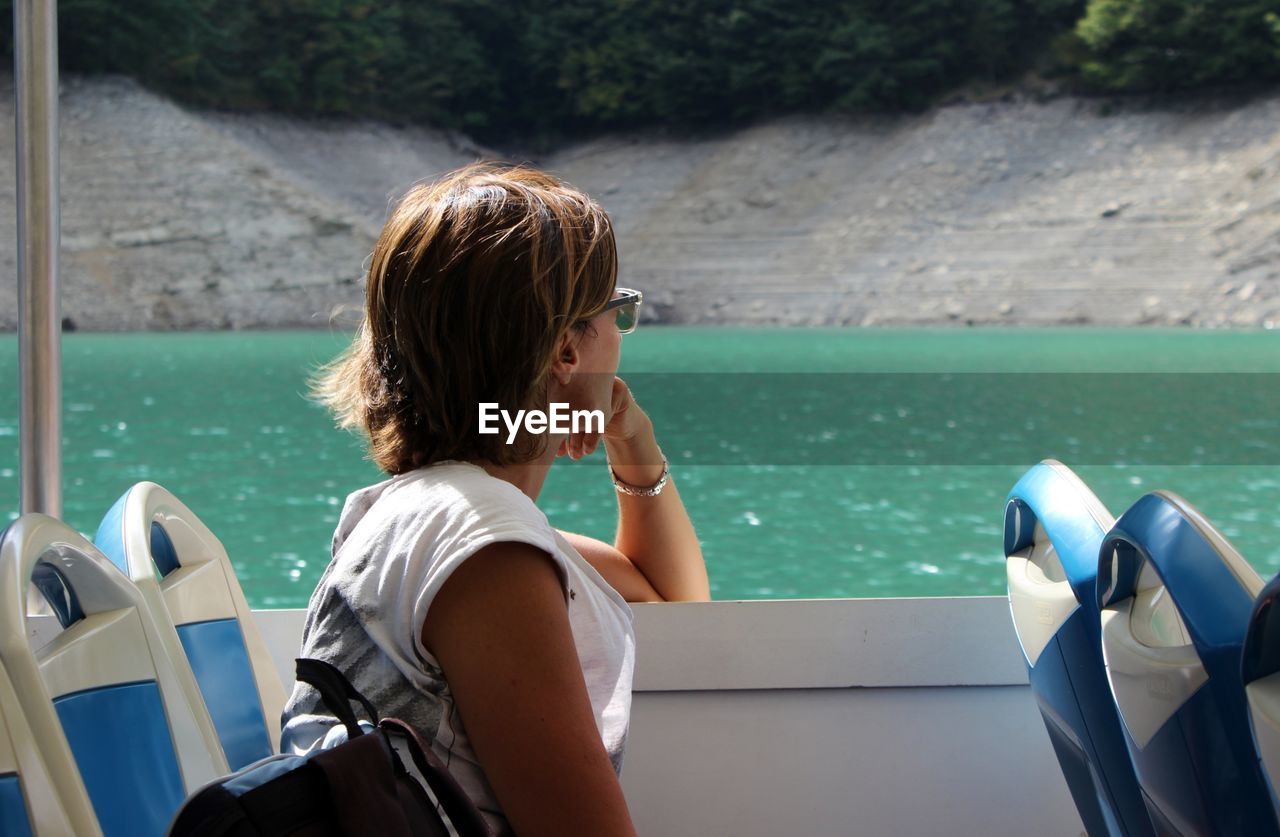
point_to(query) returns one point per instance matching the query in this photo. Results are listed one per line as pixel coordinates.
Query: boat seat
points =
(32, 802)
(1175, 600)
(1260, 673)
(14, 818)
(1053, 528)
(184, 575)
(108, 696)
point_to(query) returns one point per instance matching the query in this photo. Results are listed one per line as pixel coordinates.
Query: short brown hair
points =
(473, 282)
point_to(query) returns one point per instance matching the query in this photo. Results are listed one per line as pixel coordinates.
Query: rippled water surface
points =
(815, 463)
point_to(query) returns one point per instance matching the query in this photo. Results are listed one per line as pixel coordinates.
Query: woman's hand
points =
(625, 423)
(654, 532)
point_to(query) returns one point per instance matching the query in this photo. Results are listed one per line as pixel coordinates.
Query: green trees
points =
(1160, 45)
(611, 64)
(543, 69)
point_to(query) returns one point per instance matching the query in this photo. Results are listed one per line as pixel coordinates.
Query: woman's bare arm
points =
(655, 534)
(500, 630)
(614, 567)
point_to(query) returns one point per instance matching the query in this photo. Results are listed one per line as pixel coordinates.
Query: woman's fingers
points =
(584, 443)
(578, 445)
(627, 419)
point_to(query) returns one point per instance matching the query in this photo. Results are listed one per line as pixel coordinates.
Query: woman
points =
(450, 601)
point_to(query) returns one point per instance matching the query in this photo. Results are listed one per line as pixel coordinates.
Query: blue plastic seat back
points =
(118, 732)
(1260, 674)
(121, 743)
(216, 652)
(1054, 526)
(1176, 599)
(31, 800)
(14, 821)
(184, 573)
(92, 691)
(14, 818)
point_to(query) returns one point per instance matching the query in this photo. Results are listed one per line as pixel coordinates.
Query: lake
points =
(815, 463)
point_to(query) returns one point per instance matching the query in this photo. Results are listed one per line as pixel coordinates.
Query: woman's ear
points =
(566, 359)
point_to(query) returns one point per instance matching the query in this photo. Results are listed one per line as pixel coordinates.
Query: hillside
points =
(1002, 213)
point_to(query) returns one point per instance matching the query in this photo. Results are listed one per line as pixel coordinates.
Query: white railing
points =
(827, 717)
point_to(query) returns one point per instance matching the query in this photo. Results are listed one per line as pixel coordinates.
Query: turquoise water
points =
(814, 462)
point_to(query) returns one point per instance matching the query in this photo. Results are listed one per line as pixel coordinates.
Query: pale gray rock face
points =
(1012, 213)
(179, 220)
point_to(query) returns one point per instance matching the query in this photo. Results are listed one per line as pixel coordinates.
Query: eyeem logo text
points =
(558, 419)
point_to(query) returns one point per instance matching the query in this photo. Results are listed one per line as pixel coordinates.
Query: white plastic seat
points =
(184, 574)
(107, 698)
(1261, 677)
(1054, 526)
(1175, 599)
(32, 801)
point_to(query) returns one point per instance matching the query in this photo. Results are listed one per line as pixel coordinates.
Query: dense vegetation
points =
(1161, 45)
(548, 68)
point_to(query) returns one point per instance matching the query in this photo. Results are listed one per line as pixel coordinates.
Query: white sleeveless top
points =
(395, 545)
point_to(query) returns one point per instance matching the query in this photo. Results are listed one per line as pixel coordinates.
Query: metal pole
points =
(35, 58)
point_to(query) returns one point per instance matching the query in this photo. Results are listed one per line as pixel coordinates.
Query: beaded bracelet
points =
(635, 491)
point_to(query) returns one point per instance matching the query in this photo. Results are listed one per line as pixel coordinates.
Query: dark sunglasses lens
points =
(626, 318)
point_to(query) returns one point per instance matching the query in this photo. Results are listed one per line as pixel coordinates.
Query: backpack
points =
(360, 786)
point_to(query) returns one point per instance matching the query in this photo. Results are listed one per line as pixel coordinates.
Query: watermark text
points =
(558, 418)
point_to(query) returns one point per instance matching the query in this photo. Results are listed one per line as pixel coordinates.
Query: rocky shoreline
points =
(1010, 213)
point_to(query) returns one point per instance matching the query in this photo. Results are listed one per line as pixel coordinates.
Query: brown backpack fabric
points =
(360, 786)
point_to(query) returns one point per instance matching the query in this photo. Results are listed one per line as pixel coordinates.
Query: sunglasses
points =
(627, 304)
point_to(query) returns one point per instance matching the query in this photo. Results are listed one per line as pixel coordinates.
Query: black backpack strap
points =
(458, 806)
(336, 691)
